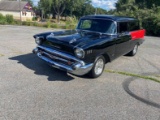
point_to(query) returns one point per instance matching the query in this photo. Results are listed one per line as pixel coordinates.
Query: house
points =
(20, 10)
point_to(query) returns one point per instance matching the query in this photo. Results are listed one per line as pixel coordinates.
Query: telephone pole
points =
(96, 11)
(20, 12)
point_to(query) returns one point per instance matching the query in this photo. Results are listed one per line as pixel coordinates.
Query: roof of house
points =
(12, 5)
(110, 17)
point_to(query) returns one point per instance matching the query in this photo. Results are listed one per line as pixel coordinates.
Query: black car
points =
(98, 39)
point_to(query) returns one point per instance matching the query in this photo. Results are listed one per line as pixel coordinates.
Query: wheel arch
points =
(107, 58)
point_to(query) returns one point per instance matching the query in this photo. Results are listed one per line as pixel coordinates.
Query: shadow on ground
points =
(126, 85)
(41, 68)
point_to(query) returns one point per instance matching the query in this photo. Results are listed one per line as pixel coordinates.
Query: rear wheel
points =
(134, 51)
(98, 67)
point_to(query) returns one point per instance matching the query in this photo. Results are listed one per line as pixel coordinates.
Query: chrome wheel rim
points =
(99, 67)
(135, 49)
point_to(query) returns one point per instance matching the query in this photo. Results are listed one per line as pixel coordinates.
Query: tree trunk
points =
(58, 18)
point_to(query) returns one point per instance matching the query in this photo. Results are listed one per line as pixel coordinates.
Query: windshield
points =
(97, 25)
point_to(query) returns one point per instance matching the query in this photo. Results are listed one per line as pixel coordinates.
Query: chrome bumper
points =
(78, 68)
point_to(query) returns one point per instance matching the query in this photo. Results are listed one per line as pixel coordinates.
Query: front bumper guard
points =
(80, 68)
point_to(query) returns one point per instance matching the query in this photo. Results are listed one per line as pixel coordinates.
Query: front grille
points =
(57, 57)
(58, 46)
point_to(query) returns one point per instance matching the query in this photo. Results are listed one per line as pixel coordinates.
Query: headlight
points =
(79, 52)
(38, 40)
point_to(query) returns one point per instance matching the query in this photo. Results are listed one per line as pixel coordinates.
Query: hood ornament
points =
(73, 40)
(51, 35)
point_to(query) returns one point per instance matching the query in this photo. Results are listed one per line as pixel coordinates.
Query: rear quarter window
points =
(123, 27)
(133, 26)
(128, 26)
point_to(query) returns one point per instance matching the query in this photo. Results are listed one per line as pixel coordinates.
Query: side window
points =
(86, 24)
(123, 27)
(112, 28)
(134, 25)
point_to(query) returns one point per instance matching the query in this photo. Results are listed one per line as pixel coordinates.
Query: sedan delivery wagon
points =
(98, 39)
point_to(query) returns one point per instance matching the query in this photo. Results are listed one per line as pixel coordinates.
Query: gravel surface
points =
(32, 90)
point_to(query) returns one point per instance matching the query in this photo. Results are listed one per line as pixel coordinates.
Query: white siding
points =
(16, 15)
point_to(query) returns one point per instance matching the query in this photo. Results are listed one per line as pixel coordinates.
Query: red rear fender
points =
(139, 34)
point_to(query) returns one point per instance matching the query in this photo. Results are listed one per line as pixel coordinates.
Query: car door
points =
(123, 39)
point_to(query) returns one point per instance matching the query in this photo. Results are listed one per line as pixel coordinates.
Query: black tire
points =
(98, 67)
(134, 51)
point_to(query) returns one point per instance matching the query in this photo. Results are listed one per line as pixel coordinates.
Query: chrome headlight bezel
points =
(79, 52)
(38, 40)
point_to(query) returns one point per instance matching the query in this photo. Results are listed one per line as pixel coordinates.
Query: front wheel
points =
(98, 67)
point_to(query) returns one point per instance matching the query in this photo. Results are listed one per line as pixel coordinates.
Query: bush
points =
(71, 20)
(34, 18)
(152, 26)
(17, 22)
(45, 25)
(9, 19)
(54, 26)
(2, 19)
(63, 27)
(48, 25)
(35, 24)
(26, 23)
(71, 23)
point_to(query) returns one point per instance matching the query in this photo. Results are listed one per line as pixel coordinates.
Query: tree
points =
(79, 8)
(45, 7)
(59, 7)
(76, 8)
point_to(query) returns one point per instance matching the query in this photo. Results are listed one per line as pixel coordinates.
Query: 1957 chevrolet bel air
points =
(98, 39)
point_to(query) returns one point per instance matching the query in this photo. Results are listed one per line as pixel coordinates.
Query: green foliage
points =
(17, 22)
(34, 18)
(45, 7)
(152, 25)
(9, 19)
(54, 25)
(71, 8)
(26, 23)
(71, 23)
(134, 75)
(2, 19)
(48, 25)
(86, 24)
(34, 23)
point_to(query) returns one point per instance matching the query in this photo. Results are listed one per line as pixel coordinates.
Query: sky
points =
(105, 4)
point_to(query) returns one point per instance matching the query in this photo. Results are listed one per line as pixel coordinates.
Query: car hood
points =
(72, 37)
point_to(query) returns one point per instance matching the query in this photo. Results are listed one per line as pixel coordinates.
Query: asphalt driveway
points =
(32, 90)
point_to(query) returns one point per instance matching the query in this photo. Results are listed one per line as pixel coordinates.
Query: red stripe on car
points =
(138, 34)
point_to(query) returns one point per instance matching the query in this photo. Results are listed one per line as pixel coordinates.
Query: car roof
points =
(110, 17)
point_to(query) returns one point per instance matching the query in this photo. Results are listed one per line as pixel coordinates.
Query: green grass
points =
(1, 55)
(157, 76)
(134, 75)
